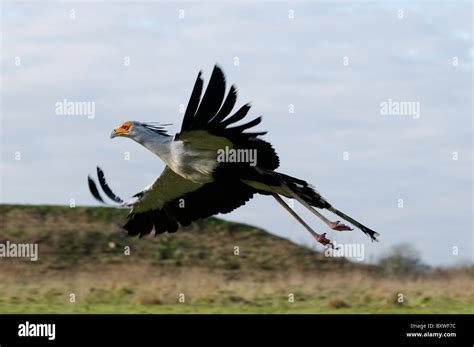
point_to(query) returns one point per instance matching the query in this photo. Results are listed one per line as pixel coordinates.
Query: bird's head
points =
(137, 130)
(125, 129)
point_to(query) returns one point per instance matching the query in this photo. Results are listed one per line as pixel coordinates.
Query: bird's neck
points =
(159, 145)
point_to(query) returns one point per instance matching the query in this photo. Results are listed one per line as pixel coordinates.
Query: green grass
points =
(233, 308)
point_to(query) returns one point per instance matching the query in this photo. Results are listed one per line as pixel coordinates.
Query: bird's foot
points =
(339, 226)
(322, 239)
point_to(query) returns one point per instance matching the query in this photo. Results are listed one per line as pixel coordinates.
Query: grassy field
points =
(87, 265)
(148, 290)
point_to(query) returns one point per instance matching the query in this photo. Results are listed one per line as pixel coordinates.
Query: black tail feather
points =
(312, 197)
(373, 234)
(304, 190)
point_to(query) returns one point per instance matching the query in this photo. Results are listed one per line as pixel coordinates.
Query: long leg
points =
(321, 238)
(333, 225)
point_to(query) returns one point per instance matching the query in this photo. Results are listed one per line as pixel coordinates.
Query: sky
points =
(327, 77)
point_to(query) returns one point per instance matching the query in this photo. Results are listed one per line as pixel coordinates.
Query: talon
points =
(340, 226)
(323, 240)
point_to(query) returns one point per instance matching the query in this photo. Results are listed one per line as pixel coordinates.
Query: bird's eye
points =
(125, 126)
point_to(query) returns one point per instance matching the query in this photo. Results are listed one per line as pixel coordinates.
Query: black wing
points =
(93, 189)
(105, 186)
(211, 114)
(172, 201)
(165, 209)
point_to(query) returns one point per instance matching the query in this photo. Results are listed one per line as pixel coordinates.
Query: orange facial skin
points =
(123, 128)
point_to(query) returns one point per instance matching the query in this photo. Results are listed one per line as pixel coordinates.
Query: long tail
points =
(306, 192)
(373, 234)
(303, 189)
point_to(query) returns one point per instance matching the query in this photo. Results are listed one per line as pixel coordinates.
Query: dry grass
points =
(151, 289)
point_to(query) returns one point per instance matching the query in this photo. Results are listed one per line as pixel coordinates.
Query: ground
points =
(88, 265)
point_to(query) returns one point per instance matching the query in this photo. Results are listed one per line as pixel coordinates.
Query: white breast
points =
(192, 163)
(191, 160)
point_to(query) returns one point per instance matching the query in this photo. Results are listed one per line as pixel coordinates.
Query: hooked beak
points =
(118, 131)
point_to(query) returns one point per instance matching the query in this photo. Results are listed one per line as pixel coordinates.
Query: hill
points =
(79, 236)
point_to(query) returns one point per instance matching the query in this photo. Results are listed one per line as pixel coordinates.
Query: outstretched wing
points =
(173, 200)
(106, 188)
(211, 115)
(93, 189)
